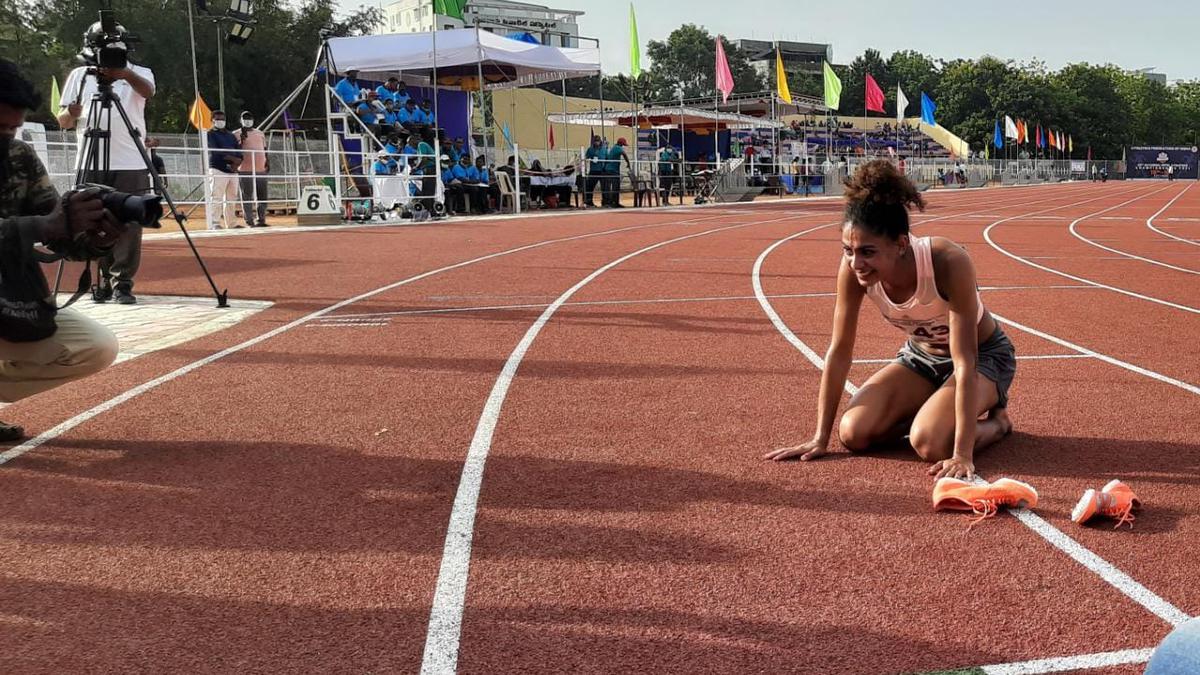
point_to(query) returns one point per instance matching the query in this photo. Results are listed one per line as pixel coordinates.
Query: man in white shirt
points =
(127, 172)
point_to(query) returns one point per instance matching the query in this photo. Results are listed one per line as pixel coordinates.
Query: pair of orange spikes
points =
(1115, 500)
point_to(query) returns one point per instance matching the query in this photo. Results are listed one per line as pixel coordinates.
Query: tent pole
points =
(682, 152)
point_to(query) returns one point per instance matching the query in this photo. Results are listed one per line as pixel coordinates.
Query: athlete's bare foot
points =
(993, 429)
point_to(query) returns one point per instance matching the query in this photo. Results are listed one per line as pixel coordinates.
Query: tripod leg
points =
(222, 297)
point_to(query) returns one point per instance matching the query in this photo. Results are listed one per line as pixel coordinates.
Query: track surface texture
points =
(533, 445)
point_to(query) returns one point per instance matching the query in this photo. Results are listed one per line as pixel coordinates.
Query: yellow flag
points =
(200, 116)
(781, 84)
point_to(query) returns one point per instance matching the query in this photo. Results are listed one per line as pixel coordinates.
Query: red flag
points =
(724, 76)
(875, 98)
(551, 143)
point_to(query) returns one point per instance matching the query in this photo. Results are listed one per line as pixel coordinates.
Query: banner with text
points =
(1153, 161)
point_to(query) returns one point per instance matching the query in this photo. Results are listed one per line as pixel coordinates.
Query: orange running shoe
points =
(984, 500)
(1115, 500)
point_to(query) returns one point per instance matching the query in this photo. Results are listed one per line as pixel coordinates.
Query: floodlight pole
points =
(220, 67)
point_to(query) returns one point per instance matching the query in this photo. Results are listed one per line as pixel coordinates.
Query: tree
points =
(854, 82)
(915, 73)
(685, 64)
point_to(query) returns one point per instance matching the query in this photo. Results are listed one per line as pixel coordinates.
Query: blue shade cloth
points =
(525, 37)
(928, 107)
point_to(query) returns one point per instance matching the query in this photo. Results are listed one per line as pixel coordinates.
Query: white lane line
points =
(1124, 583)
(1066, 663)
(1033, 357)
(1119, 580)
(1150, 221)
(1075, 231)
(1103, 357)
(445, 616)
(71, 423)
(987, 235)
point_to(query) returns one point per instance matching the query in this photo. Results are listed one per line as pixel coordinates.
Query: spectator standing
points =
(223, 160)
(252, 172)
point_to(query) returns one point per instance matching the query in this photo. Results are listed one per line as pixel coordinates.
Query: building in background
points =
(1149, 74)
(557, 27)
(805, 57)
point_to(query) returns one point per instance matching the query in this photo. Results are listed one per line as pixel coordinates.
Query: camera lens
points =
(126, 208)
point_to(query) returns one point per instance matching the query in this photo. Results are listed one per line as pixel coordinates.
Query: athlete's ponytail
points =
(878, 197)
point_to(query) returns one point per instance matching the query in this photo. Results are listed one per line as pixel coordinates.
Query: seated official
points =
(455, 193)
(489, 187)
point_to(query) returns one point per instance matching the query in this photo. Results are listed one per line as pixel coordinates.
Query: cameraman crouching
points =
(38, 349)
(132, 86)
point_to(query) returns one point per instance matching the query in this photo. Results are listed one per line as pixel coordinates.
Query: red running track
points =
(285, 507)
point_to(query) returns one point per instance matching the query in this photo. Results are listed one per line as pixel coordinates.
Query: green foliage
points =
(686, 62)
(1101, 106)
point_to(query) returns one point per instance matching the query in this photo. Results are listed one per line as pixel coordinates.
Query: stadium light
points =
(241, 14)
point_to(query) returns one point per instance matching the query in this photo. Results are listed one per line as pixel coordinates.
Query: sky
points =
(1159, 34)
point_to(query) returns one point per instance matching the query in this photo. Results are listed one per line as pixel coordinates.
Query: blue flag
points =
(927, 109)
(997, 137)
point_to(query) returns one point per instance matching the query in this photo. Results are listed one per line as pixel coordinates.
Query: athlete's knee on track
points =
(855, 431)
(932, 441)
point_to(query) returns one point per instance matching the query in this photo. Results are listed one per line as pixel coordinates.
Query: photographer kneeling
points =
(39, 348)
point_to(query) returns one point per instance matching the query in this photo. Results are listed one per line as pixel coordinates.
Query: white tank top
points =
(926, 315)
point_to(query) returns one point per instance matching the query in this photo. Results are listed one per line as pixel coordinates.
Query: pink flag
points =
(724, 76)
(875, 97)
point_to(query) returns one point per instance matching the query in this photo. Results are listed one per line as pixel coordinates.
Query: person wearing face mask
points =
(32, 212)
(224, 158)
(252, 172)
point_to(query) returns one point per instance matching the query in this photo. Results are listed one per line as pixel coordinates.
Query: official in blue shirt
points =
(427, 112)
(408, 115)
(384, 165)
(347, 89)
(489, 189)
(597, 158)
(388, 91)
(452, 188)
(468, 175)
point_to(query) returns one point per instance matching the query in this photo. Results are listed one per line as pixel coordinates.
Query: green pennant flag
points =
(833, 88)
(635, 48)
(55, 97)
(450, 8)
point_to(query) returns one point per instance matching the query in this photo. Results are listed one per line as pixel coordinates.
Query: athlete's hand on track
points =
(806, 451)
(953, 468)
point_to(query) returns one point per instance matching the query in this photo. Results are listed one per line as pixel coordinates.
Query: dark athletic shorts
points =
(997, 362)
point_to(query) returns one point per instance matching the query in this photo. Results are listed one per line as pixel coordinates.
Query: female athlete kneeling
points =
(957, 363)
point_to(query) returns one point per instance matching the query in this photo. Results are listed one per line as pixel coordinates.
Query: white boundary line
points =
(1074, 231)
(1035, 357)
(71, 423)
(1150, 221)
(445, 616)
(1097, 565)
(987, 235)
(1065, 663)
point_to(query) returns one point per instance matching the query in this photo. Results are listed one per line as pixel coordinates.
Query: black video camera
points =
(106, 43)
(137, 210)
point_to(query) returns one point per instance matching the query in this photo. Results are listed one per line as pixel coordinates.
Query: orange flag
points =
(200, 116)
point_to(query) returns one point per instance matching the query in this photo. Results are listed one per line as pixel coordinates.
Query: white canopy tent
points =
(460, 56)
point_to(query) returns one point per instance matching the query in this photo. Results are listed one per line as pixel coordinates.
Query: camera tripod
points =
(95, 157)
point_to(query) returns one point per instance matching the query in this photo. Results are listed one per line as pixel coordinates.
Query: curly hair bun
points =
(879, 182)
